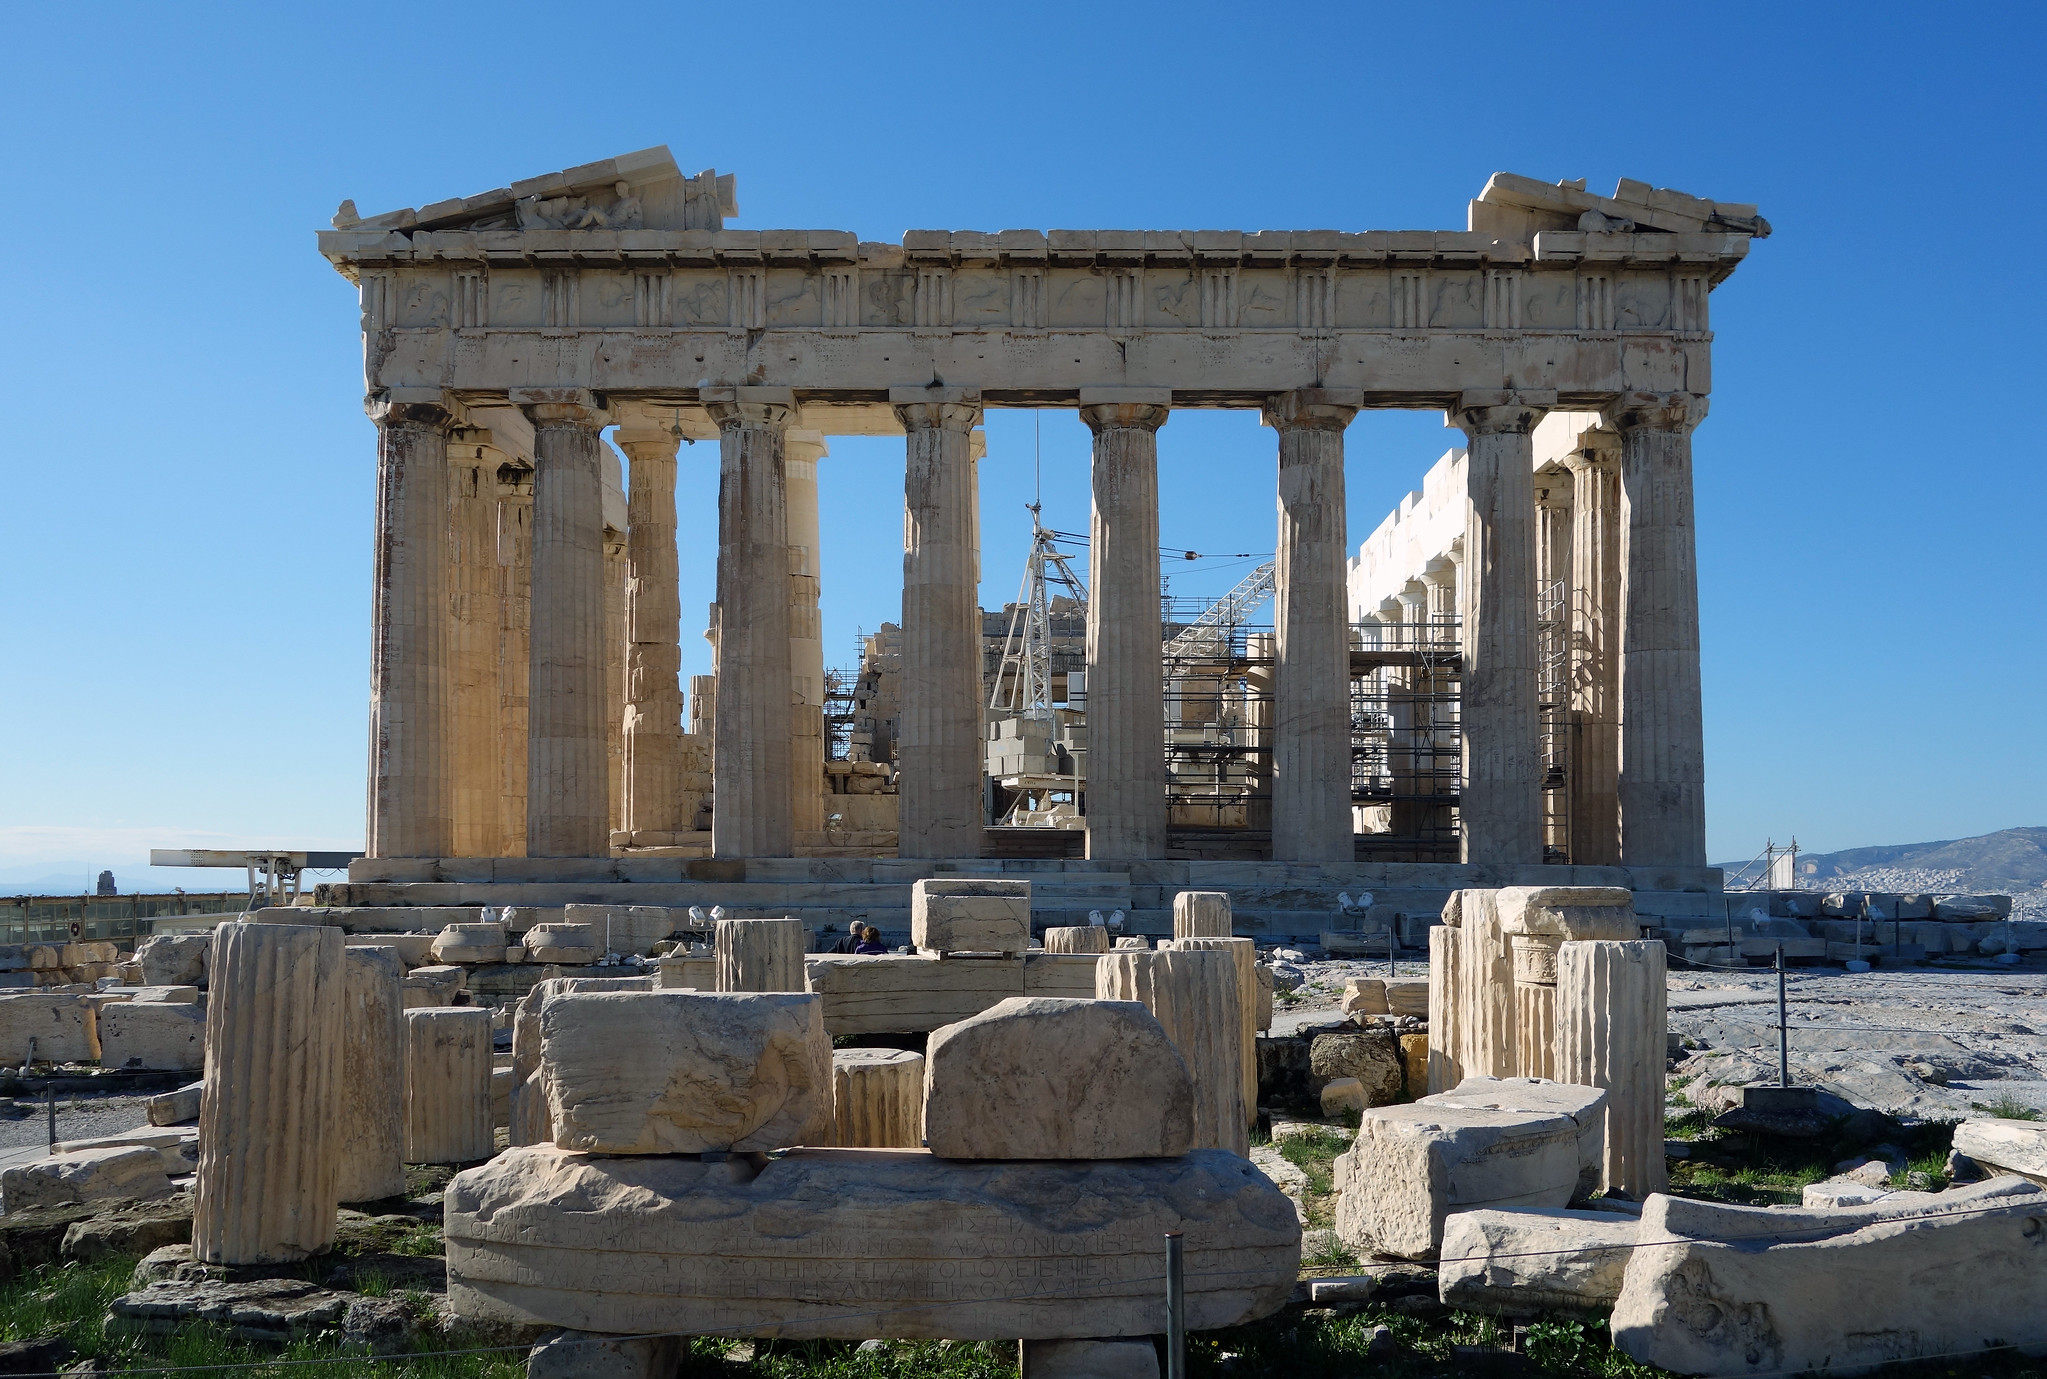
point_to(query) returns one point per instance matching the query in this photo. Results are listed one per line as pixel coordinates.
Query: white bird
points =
(1094, 917)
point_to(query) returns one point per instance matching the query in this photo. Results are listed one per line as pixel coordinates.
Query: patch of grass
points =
(1315, 1155)
(420, 1241)
(2006, 1107)
(1687, 1125)
(1756, 1171)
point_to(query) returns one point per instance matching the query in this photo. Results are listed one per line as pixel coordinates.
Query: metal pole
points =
(1392, 961)
(1176, 1310)
(50, 1104)
(1783, 1035)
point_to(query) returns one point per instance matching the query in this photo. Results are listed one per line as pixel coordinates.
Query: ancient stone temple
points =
(524, 695)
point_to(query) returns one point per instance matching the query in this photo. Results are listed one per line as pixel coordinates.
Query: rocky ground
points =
(24, 1121)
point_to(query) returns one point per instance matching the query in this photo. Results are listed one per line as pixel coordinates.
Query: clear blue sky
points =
(186, 513)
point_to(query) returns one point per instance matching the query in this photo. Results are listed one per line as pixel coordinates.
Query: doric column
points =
(1501, 805)
(1552, 651)
(567, 771)
(617, 569)
(1595, 650)
(473, 641)
(1126, 759)
(1311, 779)
(806, 634)
(1663, 752)
(750, 742)
(410, 810)
(653, 712)
(938, 743)
(371, 1132)
(760, 954)
(1611, 1018)
(515, 608)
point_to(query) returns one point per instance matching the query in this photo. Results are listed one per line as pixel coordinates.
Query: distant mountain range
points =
(2008, 862)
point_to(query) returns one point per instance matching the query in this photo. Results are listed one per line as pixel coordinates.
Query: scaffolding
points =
(1407, 740)
(1553, 697)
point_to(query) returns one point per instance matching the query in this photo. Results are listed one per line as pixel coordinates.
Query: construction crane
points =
(1196, 641)
(1023, 684)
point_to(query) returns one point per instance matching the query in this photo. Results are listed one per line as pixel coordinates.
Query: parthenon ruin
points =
(525, 699)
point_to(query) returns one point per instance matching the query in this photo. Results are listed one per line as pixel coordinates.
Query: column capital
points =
(647, 442)
(561, 406)
(1678, 412)
(1312, 409)
(1500, 412)
(412, 407)
(1140, 409)
(803, 443)
(937, 409)
(769, 408)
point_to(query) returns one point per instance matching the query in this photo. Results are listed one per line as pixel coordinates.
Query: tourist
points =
(870, 941)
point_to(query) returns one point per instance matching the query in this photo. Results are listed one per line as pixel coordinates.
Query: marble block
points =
(1038, 1077)
(858, 1243)
(971, 916)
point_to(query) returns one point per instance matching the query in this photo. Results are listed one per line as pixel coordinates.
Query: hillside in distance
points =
(2011, 861)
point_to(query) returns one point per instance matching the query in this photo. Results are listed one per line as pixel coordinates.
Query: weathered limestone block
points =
(1194, 996)
(1586, 1106)
(1056, 974)
(417, 950)
(584, 1355)
(1612, 1032)
(1446, 1007)
(174, 1108)
(1412, 1166)
(1530, 1260)
(1130, 1359)
(178, 1148)
(173, 959)
(269, 1119)
(628, 928)
(1370, 1056)
(373, 1063)
(162, 995)
(2009, 1146)
(433, 986)
(563, 943)
(1264, 977)
(1569, 912)
(971, 916)
(447, 1085)
(761, 954)
(1485, 988)
(527, 1116)
(688, 971)
(85, 1175)
(1717, 1289)
(1245, 953)
(472, 945)
(816, 1243)
(877, 1099)
(1202, 914)
(1343, 1096)
(1414, 1065)
(724, 1071)
(1079, 938)
(64, 1028)
(1364, 996)
(153, 1035)
(1042, 1078)
(890, 993)
(1535, 1003)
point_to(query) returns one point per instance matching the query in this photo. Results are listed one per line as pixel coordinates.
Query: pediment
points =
(634, 191)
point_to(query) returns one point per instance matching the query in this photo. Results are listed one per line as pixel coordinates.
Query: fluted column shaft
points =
(1595, 675)
(653, 713)
(411, 813)
(1663, 751)
(806, 634)
(568, 767)
(1611, 1018)
(473, 642)
(371, 1144)
(1502, 801)
(750, 815)
(447, 1085)
(939, 738)
(1194, 996)
(1126, 762)
(270, 1115)
(760, 954)
(514, 663)
(1311, 777)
